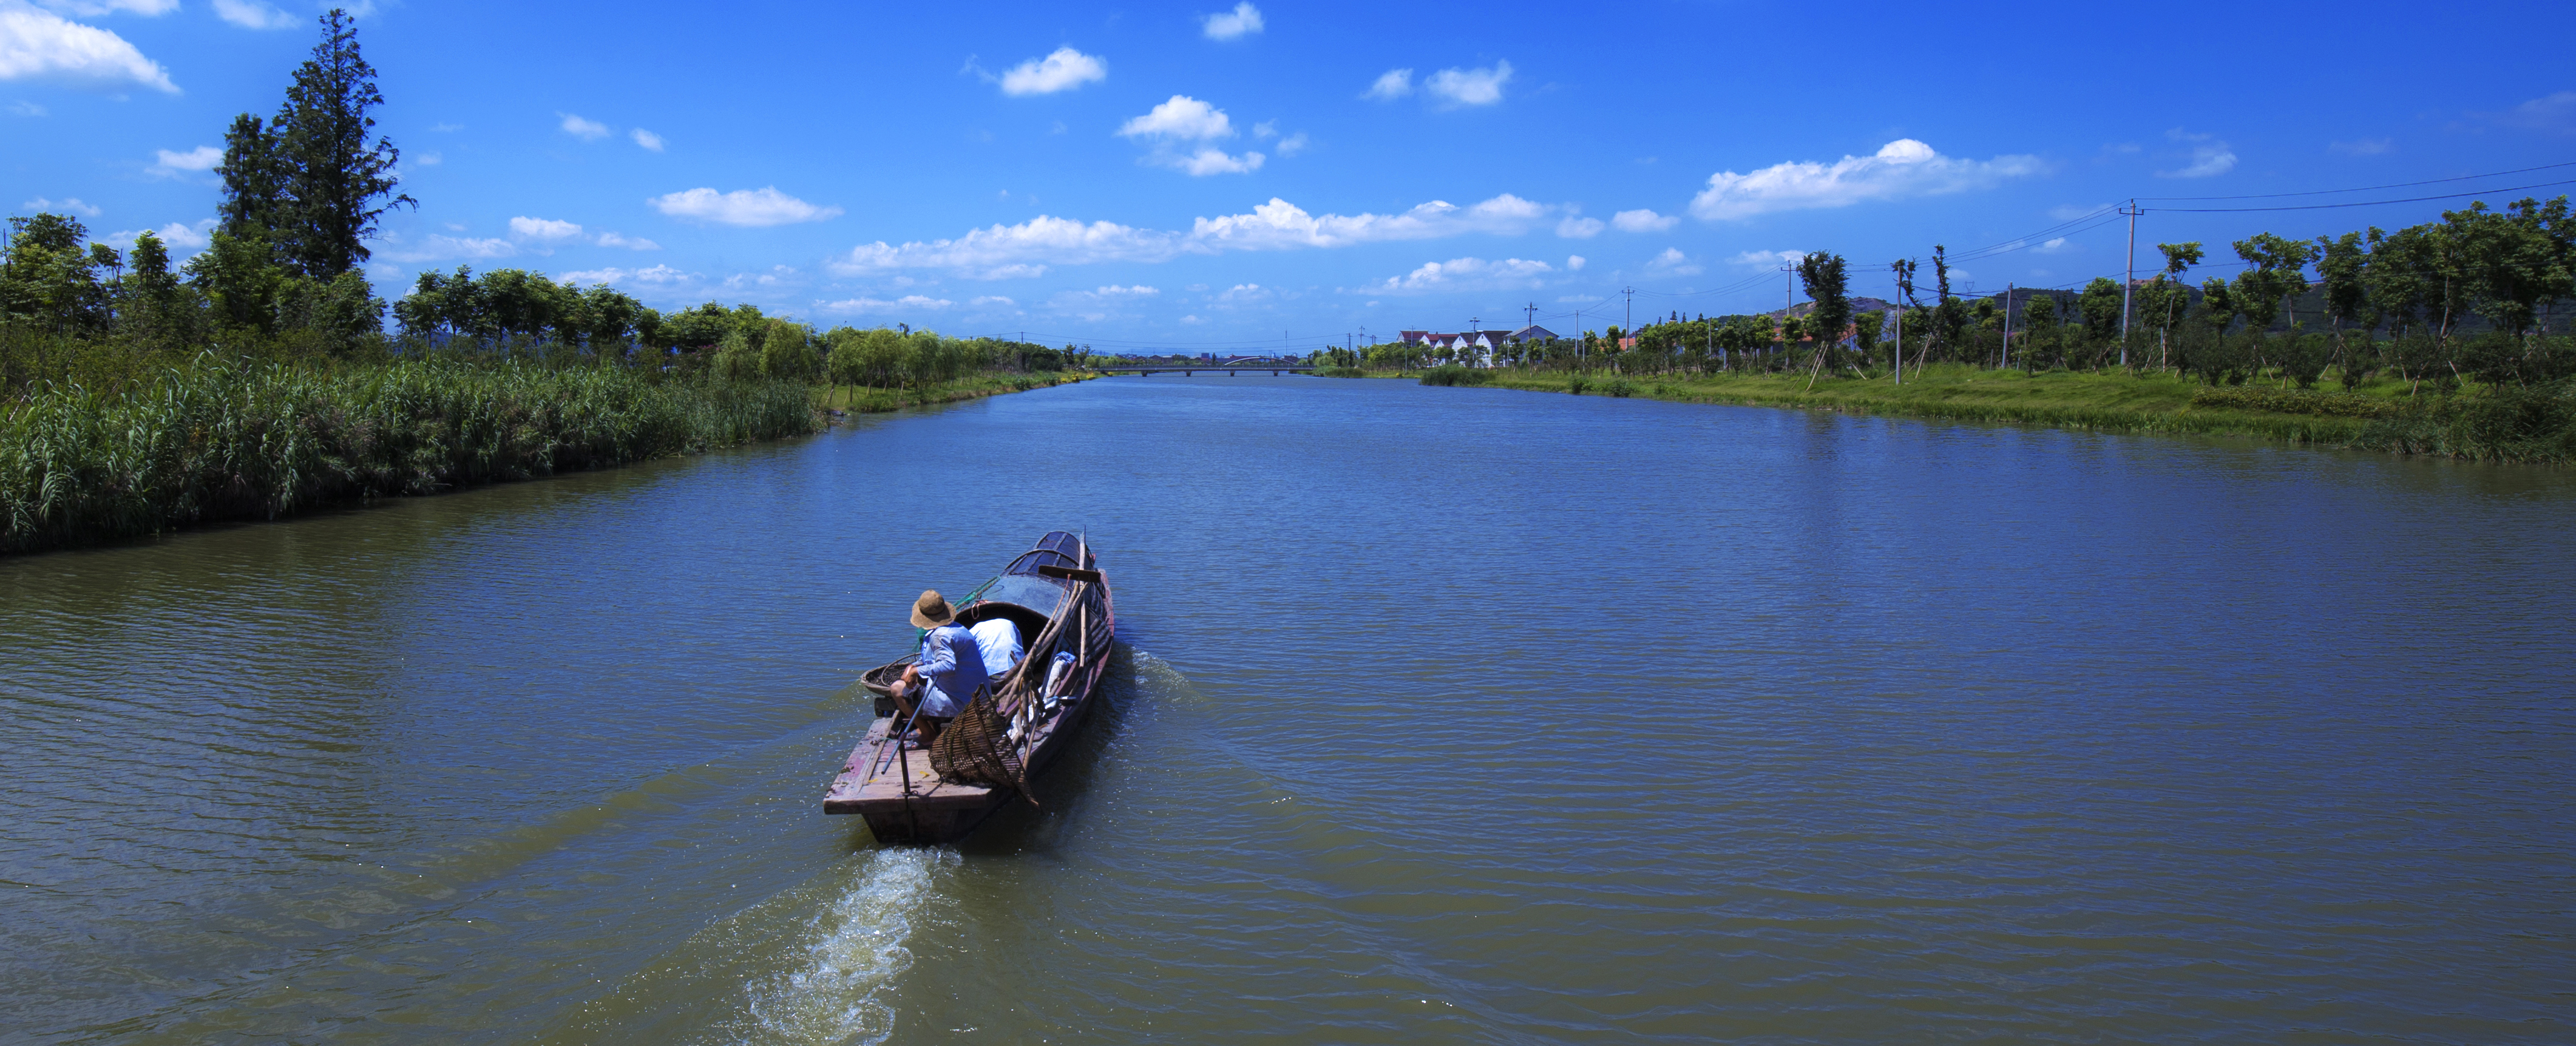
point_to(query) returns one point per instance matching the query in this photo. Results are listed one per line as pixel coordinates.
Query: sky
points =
(1191, 177)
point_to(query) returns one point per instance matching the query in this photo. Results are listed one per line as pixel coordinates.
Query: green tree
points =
(340, 182)
(2100, 306)
(786, 352)
(2340, 266)
(1828, 285)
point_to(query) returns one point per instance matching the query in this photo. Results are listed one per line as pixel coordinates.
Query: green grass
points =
(2507, 425)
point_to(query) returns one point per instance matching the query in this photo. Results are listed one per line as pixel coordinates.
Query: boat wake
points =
(852, 948)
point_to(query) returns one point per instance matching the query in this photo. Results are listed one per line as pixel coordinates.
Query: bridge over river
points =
(1230, 367)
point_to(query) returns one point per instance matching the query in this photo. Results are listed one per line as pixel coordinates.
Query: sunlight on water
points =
(853, 948)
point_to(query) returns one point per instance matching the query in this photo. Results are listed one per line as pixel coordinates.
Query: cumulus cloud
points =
(748, 207)
(645, 138)
(1459, 274)
(1643, 221)
(1672, 261)
(2059, 245)
(1293, 144)
(1575, 227)
(1574, 263)
(428, 159)
(1769, 258)
(251, 14)
(632, 243)
(442, 248)
(1062, 70)
(1097, 303)
(167, 164)
(543, 229)
(2209, 156)
(1185, 119)
(1391, 85)
(1244, 20)
(1469, 86)
(586, 130)
(177, 234)
(1899, 169)
(1030, 247)
(1182, 118)
(40, 45)
(907, 303)
(68, 203)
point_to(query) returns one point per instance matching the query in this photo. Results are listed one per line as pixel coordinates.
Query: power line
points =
(2363, 203)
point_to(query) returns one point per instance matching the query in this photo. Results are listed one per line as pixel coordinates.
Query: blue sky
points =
(1205, 177)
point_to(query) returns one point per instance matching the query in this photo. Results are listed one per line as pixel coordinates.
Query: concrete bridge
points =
(1230, 367)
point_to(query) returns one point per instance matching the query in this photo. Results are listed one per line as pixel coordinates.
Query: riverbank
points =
(2536, 425)
(859, 399)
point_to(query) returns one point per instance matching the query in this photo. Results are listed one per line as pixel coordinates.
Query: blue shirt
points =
(999, 639)
(952, 666)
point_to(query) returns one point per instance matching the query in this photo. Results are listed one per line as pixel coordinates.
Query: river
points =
(1440, 715)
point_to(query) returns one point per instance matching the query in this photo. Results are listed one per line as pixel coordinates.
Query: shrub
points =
(1576, 384)
(2285, 401)
(1454, 374)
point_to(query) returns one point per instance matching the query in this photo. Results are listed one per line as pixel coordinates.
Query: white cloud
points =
(1243, 20)
(993, 301)
(175, 234)
(2365, 147)
(751, 207)
(2552, 112)
(1293, 144)
(909, 302)
(251, 14)
(1183, 118)
(40, 45)
(2209, 156)
(68, 203)
(1459, 274)
(1062, 70)
(659, 275)
(1575, 227)
(1245, 294)
(1028, 248)
(543, 229)
(1901, 168)
(1209, 161)
(1643, 221)
(440, 248)
(1097, 304)
(1469, 86)
(1768, 258)
(2055, 246)
(168, 164)
(645, 138)
(146, 8)
(26, 109)
(428, 159)
(2069, 212)
(632, 243)
(1574, 263)
(1391, 85)
(1673, 261)
(586, 130)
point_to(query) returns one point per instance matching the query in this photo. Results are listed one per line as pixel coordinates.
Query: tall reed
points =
(215, 440)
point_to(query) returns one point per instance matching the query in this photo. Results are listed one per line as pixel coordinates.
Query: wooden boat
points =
(1059, 598)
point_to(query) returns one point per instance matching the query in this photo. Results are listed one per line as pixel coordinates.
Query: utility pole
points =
(1530, 317)
(1631, 329)
(1897, 352)
(2007, 350)
(1467, 345)
(2133, 211)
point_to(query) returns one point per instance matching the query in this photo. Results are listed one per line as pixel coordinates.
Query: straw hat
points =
(931, 610)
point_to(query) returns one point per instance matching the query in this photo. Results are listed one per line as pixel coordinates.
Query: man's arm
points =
(936, 658)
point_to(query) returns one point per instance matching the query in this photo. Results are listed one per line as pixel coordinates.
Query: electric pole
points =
(2007, 349)
(1630, 329)
(2133, 211)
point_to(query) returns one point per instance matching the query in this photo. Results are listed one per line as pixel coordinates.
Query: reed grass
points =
(217, 439)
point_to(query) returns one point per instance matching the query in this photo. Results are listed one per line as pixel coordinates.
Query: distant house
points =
(1530, 333)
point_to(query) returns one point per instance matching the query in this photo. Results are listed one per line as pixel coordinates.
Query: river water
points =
(1442, 715)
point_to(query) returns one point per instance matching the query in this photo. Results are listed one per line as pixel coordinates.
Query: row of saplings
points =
(875, 358)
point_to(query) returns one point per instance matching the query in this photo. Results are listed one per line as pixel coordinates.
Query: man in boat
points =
(948, 672)
(999, 639)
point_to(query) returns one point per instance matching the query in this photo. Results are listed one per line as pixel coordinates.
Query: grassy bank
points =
(216, 440)
(2508, 424)
(860, 399)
